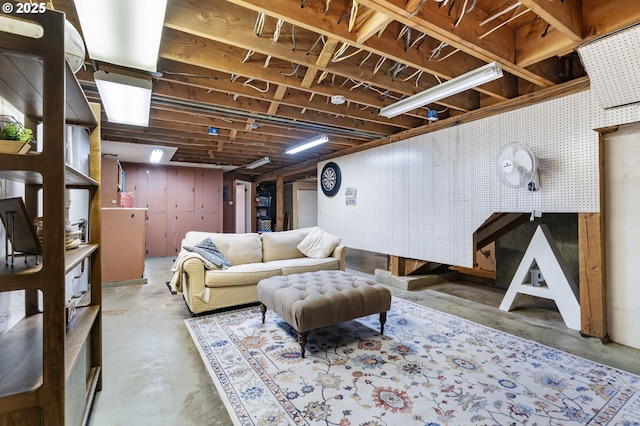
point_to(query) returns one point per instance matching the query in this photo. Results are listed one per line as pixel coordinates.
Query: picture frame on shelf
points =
(20, 230)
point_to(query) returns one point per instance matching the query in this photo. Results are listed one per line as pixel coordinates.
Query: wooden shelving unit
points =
(50, 370)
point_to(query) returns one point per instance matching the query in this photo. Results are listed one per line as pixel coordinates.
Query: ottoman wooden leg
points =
(383, 319)
(302, 339)
(263, 309)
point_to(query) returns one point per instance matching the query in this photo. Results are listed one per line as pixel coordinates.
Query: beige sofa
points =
(253, 257)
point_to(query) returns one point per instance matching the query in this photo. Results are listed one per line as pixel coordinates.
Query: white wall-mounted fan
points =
(517, 167)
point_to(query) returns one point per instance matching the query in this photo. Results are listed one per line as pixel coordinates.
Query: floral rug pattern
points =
(429, 368)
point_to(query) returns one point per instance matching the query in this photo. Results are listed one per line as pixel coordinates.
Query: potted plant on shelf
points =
(14, 137)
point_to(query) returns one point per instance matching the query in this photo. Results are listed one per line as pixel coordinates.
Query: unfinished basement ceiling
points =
(264, 72)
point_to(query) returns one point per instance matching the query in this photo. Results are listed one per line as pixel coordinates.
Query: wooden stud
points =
(592, 275)
(279, 203)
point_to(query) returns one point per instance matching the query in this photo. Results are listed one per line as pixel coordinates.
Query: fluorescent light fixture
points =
(452, 87)
(126, 99)
(123, 32)
(258, 163)
(156, 155)
(318, 140)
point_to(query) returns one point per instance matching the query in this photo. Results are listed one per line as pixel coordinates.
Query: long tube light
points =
(319, 140)
(258, 163)
(482, 75)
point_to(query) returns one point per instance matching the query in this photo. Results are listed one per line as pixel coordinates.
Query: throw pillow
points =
(318, 244)
(207, 249)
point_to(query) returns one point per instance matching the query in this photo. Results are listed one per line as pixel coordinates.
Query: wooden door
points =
(156, 234)
(207, 222)
(157, 189)
(123, 245)
(131, 181)
(209, 191)
(181, 190)
(142, 190)
(178, 224)
(109, 182)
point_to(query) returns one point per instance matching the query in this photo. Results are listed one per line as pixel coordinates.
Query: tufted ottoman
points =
(318, 299)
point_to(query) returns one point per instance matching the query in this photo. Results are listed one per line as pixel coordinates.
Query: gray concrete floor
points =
(153, 374)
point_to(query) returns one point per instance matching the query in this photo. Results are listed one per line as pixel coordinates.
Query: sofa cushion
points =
(248, 273)
(240, 249)
(208, 250)
(306, 264)
(282, 245)
(318, 244)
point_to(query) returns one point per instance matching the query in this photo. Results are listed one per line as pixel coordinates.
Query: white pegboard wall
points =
(425, 196)
(613, 63)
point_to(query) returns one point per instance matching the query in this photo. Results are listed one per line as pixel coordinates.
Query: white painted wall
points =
(424, 197)
(622, 216)
(307, 200)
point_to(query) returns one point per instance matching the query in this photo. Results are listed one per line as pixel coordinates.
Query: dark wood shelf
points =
(21, 85)
(21, 351)
(73, 257)
(22, 275)
(77, 333)
(73, 178)
(21, 354)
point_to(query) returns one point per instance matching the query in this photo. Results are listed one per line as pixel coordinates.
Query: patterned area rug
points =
(429, 368)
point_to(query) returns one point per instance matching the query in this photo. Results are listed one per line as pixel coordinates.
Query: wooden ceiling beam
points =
(182, 92)
(182, 48)
(565, 16)
(246, 40)
(599, 17)
(313, 19)
(370, 23)
(435, 22)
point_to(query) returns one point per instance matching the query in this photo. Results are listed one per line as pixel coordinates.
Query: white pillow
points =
(318, 244)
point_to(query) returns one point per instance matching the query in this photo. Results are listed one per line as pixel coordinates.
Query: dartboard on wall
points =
(330, 179)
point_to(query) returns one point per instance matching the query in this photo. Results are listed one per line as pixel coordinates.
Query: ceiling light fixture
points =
(318, 140)
(338, 99)
(156, 155)
(452, 87)
(126, 99)
(258, 163)
(123, 32)
(432, 115)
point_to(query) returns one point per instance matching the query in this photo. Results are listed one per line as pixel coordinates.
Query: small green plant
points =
(15, 132)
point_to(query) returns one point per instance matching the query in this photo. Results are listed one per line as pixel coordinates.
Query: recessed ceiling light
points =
(156, 155)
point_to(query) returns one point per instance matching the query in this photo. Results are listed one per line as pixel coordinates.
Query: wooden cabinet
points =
(179, 199)
(111, 182)
(180, 190)
(208, 191)
(207, 222)
(156, 234)
(49, 371)
(178, 224)
(156, 189)
(123, 247)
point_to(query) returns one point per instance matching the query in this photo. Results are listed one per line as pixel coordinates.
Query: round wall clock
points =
(330, 179)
